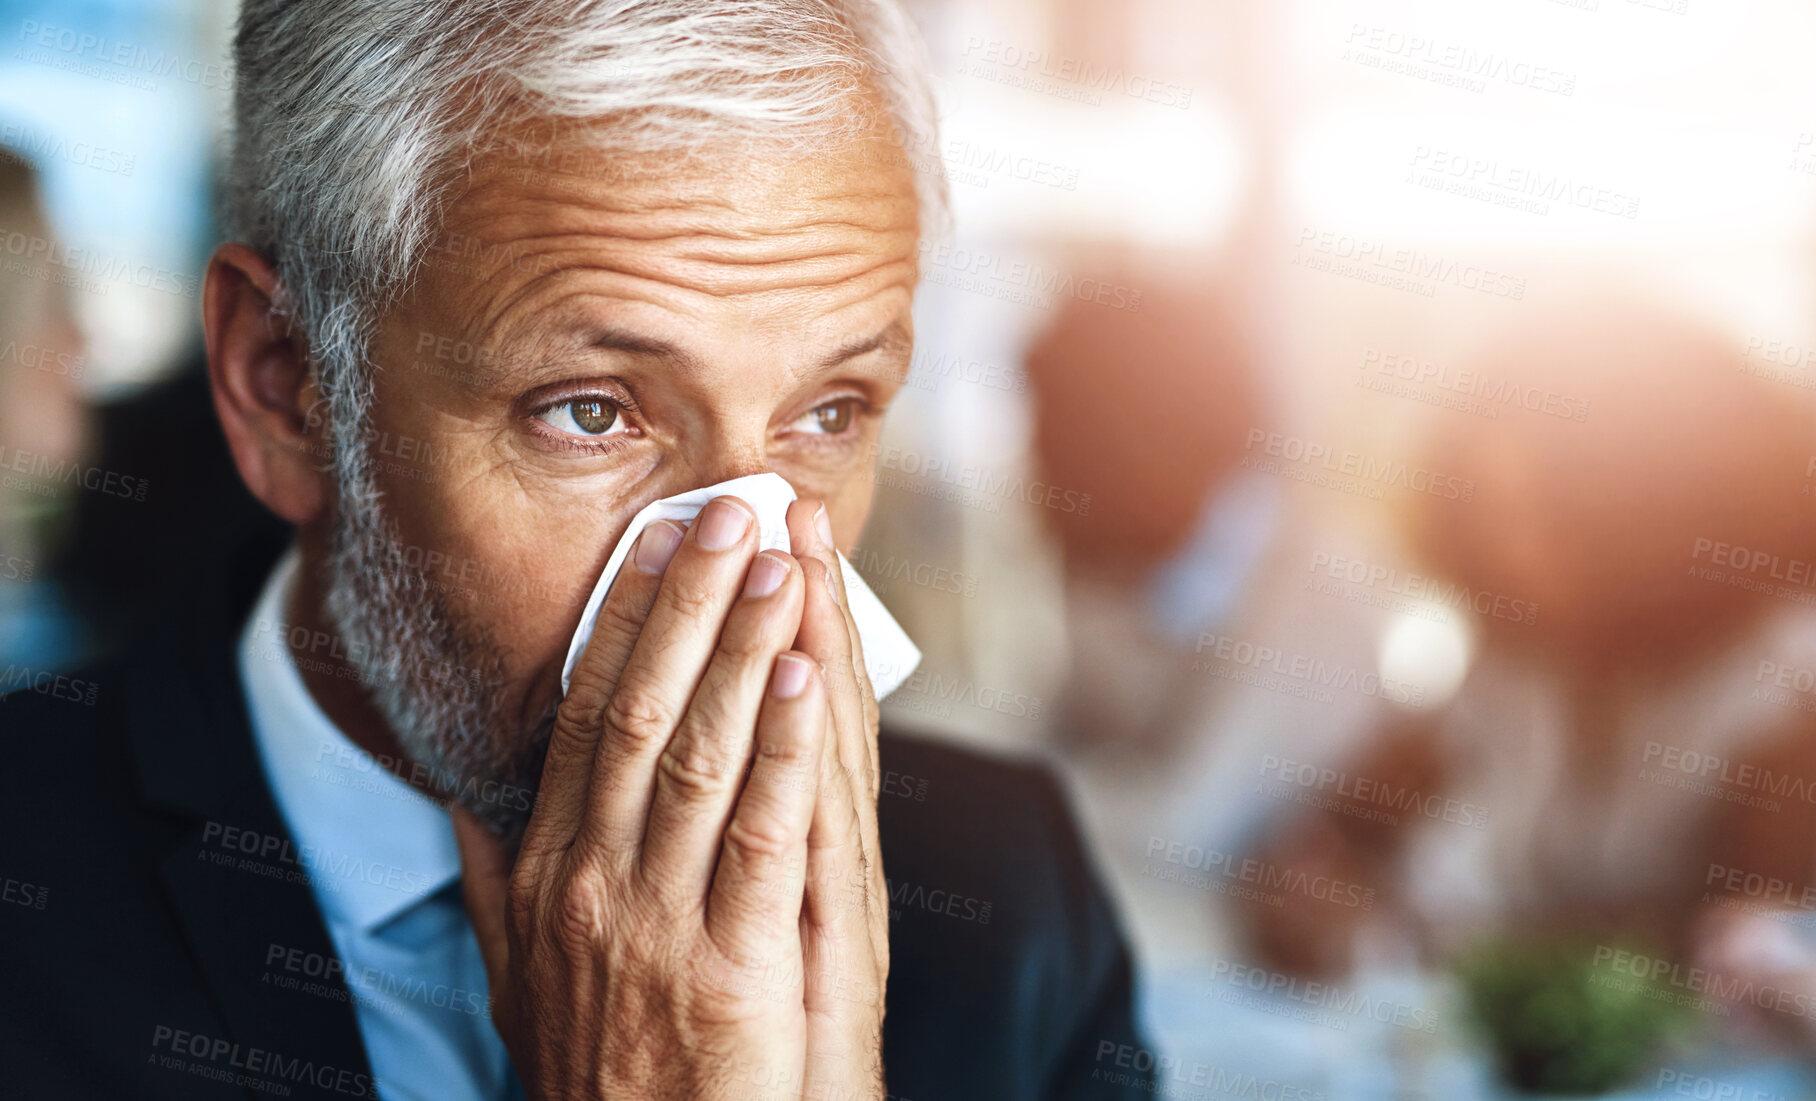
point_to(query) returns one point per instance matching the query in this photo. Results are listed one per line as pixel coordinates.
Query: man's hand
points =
(845, 929)
(652, 939)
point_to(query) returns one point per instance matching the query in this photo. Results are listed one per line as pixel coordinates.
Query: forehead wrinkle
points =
(821, 236)
(707, 225)
(635, 281)
(699, 249)
(522, 241)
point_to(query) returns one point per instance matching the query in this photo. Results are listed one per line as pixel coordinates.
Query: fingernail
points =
(832, 587)
(765, 576)
(657, 545)
(823, 525)
(722, 525)
(790, 677)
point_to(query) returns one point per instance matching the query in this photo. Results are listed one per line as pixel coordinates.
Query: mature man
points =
(505, 273)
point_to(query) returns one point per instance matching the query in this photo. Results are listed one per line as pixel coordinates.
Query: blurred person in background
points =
(44, 436)
(1638, 647)
(118, 105)
(1175, 530)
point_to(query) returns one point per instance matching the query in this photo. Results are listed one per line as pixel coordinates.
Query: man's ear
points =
(264, 390)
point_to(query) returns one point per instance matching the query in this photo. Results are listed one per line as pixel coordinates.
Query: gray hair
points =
(352, 116)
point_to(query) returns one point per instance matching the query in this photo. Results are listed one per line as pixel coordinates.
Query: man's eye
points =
(582, 416)
(830, 419)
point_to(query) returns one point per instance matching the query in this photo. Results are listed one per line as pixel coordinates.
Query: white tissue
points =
(889, 654)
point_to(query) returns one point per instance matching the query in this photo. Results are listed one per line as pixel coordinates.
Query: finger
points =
(837, 877)
(845, 930)
(851, 776)
(485, 879)
(822, 529)
(829, 633)
(755, 901)
(823, 635)
(568, 768)
(700, 772)
(653, 689)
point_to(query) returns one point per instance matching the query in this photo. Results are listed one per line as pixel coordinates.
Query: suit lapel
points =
(235, 880)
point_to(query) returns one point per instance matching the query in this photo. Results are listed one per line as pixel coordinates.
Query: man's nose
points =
(722, 460)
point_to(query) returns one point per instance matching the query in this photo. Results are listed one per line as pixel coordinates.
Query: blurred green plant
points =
(1559, 1024)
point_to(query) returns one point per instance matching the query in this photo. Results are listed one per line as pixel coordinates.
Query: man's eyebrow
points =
(893, 339)
(618, 340)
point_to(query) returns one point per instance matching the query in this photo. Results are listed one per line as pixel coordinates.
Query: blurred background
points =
(1368, 447)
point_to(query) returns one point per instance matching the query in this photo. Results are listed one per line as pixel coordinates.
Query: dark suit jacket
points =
(133, 946)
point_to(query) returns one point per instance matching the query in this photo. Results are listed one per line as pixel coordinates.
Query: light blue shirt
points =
(386, 874)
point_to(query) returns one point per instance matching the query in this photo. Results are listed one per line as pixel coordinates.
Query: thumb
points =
(485, 878)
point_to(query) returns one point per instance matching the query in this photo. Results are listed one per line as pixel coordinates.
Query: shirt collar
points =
(372, 845)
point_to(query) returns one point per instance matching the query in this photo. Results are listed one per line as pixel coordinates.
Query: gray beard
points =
(438, 682)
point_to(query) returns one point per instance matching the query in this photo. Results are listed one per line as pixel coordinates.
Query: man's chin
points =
(494, 783)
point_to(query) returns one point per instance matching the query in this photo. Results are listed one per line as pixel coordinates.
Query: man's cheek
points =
(511, 571)
(848, 492)
(848, 506)
(525, 610)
